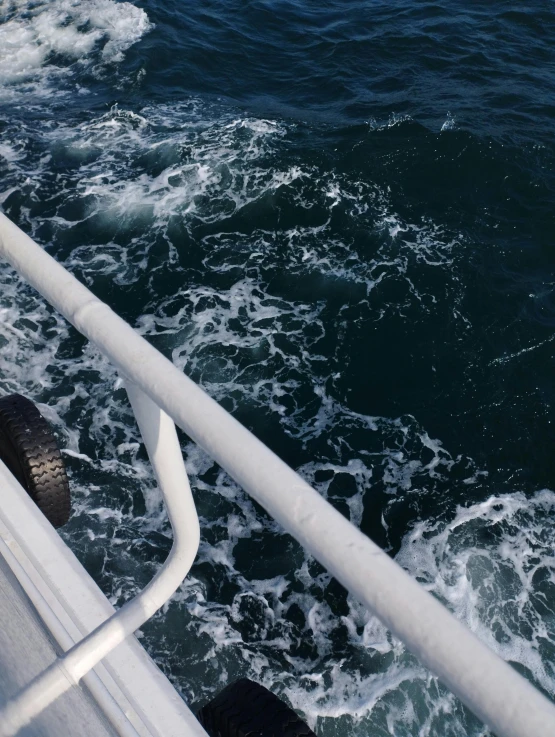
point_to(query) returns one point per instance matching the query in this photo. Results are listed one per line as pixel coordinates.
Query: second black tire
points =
(247, 709)
(29, 449)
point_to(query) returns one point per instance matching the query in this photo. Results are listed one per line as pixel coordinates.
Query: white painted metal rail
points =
(491, 688)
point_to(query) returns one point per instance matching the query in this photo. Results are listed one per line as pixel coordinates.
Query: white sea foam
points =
(494, 566)
(449, 124)
(39, 40)
(212, 170)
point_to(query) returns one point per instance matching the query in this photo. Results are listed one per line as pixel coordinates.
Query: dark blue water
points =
(338, 219)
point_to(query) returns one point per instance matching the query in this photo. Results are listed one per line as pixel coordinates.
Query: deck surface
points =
(26, 649)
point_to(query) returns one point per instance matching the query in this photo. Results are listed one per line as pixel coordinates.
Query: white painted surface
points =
(488, 685)
(25, 648)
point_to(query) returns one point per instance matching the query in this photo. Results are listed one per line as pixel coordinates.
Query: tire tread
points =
(29, 449)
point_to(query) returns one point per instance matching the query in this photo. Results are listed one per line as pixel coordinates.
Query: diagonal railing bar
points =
(489, 686)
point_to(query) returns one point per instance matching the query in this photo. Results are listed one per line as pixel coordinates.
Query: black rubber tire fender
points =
(247, 709)
(29, 449)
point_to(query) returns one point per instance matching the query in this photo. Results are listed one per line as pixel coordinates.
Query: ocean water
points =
(338, 218)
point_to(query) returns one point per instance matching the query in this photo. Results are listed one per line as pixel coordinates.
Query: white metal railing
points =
(491, 688)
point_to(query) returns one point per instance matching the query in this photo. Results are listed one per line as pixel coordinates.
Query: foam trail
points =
(72, 32)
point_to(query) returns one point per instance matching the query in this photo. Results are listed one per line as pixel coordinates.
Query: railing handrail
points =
(489, 686)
